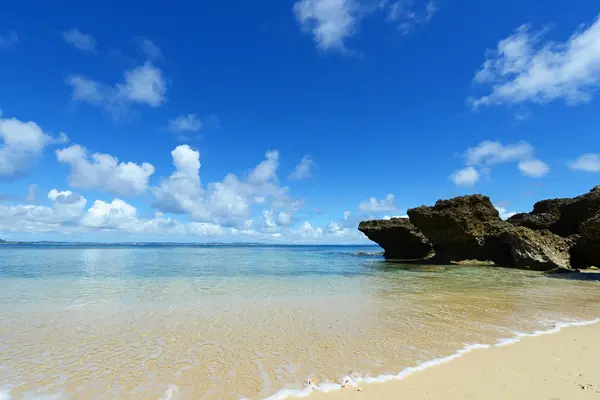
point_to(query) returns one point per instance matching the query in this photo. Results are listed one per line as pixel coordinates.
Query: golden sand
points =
(561, 366)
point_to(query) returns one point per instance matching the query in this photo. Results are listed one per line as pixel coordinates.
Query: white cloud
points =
(67, 215)
(182, 191)
(284, 218)
(205, 229)
(109, 215)
(487, 153)
(373, 205)
(144, 84)
(467, 176)
(80, 40)
(504, 213)
(534, 168)
(524, 68)
(227, 202)
(330, 22)
(490, 153)
(304, 169)
(307, 231)
(407, 16)
(586, 163)
(9, 40)
(23, 143)
(148, 48)
(184, 123)
(388, 217)
(269, 220)
(103, 171)
(347, 214)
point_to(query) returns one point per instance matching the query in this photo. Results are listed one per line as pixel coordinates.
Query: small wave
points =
(169, 393)
(368, 253)
(356, 380)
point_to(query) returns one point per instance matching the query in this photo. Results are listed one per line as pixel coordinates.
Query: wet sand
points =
(560, 366)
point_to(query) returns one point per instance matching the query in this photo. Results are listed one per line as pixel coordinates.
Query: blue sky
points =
(287, 121)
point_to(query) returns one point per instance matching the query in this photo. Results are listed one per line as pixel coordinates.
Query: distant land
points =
(168, 244)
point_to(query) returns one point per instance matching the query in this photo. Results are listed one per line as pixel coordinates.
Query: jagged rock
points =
(458, 228)
(537, 250)
(563, 217)
(558, 233)
(545, 215)
(586, 252)
(399, 238)
(469, 227)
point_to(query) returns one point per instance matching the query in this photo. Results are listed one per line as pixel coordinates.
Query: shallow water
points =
(164, 322)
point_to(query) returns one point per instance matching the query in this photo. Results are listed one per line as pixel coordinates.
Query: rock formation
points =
(577, 219)
(400, 239)
(557, 234)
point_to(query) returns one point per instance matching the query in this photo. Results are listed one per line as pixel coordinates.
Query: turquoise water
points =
(230, 322)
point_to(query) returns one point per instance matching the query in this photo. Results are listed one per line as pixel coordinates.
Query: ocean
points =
(251, 322)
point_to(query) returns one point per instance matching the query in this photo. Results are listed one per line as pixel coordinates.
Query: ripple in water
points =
(251, 322)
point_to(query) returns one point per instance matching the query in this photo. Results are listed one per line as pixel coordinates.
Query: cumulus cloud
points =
(103, 171)
(67, 215)
(407, 15)
(586, 162)
(109, 215)
(23, 143)
(372, 205)
(229, 201)
(144, 84)
(467, 176)
(82, 41)
(525, 68)
(347, 214)
(185, 123)
(330, 22)
(488, 153)
(304, 169)
(8, 40)
(534, 168)
(284, 218)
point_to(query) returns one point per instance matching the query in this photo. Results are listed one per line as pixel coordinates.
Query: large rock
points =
(536, 250)
(469, 227)
(574, 218)
(399, 238)
(546, 214)
(563, 217)
(586, 252)
(458, 228)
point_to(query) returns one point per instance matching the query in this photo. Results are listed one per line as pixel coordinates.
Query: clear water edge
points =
(279, 315)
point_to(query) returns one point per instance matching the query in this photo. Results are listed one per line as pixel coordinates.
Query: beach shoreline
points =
(560, 363)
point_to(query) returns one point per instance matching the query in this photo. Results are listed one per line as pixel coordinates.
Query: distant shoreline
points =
(180, 244)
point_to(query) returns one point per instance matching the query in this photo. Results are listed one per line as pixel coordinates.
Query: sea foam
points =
(354, 381)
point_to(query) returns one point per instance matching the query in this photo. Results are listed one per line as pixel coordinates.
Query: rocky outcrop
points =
(563, 217)
(400, 239)
(586, 251)
(577, 219)
(469, 227)
(458, 228)
(556, 235)
(536, 250)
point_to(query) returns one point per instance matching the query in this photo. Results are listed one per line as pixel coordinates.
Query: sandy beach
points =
(560, 366)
